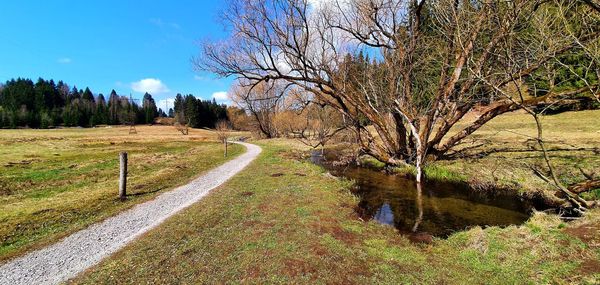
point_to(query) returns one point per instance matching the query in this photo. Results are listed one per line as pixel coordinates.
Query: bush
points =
(46, 121)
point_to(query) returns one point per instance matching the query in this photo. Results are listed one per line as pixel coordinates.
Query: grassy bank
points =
(499, 156)
(54, 182)
(500, 153)
(284, 220)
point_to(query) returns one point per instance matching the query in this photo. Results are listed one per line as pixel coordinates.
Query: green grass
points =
(436, 172)
(55, 182)
(300, 228)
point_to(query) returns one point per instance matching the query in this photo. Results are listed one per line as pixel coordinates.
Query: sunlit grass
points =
(504, 151)
(299, 227)
(54, 182)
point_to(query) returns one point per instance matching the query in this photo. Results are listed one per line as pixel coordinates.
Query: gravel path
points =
(83, 249)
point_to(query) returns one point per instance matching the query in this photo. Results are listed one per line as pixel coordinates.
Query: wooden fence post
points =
(123, 176)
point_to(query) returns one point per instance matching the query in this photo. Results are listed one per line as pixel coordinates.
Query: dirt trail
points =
(83, 249)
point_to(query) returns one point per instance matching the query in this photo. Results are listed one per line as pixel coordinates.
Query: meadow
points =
(502, 153)
(286, 220)
(54, 182)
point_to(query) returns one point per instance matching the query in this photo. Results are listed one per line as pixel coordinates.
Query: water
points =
(432, 209)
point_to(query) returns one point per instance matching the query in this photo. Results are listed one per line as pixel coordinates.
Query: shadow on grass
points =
(146, 192)
(461, 154)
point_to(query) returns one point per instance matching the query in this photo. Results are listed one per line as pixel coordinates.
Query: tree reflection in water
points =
(419, 203)
(432, 208)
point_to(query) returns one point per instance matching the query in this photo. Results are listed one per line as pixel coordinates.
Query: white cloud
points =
(199, 78)
(221, 97)
(151, 85)
(64, 60)
(316, 3)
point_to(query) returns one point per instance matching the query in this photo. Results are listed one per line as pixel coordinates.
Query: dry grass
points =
(54, 182)
(283, 220)
(500, 153)
(580, 128)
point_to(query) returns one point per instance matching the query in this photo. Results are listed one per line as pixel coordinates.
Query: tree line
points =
(198, 113)
(46, 104)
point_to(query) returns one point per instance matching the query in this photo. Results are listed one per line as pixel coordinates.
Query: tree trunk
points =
(401, 135)
(418, 164)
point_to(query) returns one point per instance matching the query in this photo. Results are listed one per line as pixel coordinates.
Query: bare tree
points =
(262, 100)
(544, 24)
(238, 118)
(433, 61)
(223, 127)
(518, 99)
(184, 129)
(316, 125)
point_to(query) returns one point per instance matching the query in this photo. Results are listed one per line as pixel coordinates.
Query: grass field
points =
(286, 221)
(500, 154)
(54, 182)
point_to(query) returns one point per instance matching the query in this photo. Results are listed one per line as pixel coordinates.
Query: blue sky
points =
(129, 46)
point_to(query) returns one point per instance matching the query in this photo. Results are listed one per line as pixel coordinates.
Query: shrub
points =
(46, 121)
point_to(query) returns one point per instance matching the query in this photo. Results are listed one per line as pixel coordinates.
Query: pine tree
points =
(74, 94)
(149, 109)
(46, 104)
(101, 110)
(87, 95)
(114, 108)
(179, 114)
(191, 111)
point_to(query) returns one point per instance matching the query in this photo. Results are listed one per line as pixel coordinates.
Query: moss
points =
(371, 162)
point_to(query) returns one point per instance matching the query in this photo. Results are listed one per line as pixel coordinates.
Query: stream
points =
(431, 209)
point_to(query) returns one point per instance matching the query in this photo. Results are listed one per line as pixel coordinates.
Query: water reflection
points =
(384, 215)
(419, 203)
(434, 208)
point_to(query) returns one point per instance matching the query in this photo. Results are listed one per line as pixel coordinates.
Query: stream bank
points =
(436, 208)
